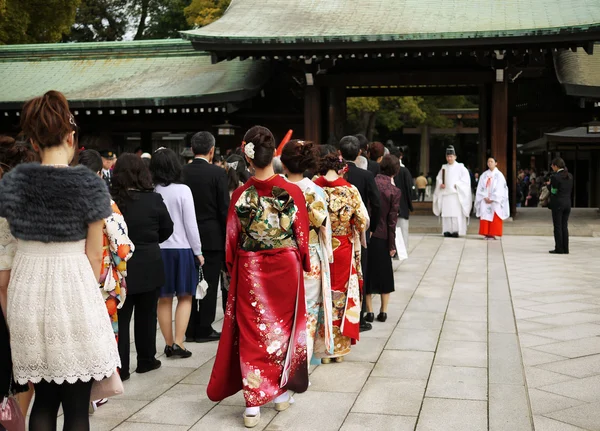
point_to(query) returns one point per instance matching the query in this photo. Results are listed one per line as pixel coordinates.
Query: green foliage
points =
(36, 21)
(202, 12)
(168, 20)
(369, 115)
(99, 20)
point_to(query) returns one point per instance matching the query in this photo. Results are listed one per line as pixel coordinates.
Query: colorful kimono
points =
(492, 185)
(117, 250)
(263, 343)
(349, 220)
(317, 282)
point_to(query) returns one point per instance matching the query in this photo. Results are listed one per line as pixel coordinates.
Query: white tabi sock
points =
(252, 411)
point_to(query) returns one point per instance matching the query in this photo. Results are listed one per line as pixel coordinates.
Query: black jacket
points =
(373, 167)
(561, 189)
(404, 182)
(149, 224)
(364, 181)
(211, 199)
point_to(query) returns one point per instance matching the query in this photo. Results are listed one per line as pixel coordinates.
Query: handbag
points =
(106, 388)
(202, 286)
(11, 416)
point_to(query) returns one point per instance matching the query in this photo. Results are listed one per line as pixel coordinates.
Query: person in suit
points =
(372, 165)
(108, 161)
(561, 189)
(364, 181)
(149, 224)
(209, 185)
(404, 182)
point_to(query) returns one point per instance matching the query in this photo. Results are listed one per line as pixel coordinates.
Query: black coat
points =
(364, 181)
(211, 200)
(373, 167)
(561, 189)
(149, 224)
(404, 182)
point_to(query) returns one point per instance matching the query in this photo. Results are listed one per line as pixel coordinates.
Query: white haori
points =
(492, 185)
(455, 200)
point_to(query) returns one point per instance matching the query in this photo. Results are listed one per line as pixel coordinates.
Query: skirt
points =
(381, 273)
(59, 329)
(181, 272)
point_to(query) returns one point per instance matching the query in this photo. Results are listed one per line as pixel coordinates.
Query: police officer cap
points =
(108, 154)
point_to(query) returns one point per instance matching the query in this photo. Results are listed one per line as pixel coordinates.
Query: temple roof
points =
(579, 72)
(281, 23)
(123, 74)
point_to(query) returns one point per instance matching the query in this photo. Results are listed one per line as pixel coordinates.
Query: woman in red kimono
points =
(349, 221)
(262, 350)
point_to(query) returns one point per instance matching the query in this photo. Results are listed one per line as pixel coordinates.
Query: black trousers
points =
(363, 264)
(202, 317)
(560, 219)
(421, 195)
(144, 305)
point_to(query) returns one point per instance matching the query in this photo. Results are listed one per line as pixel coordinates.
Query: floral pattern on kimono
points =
(262, 349)
(317, 282)
(349, 220)
(117, 250)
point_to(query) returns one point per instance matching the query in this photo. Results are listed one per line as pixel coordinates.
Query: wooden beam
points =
(499, 130)
(312, 114)
(461, 90)
(443, 131)
(423, 77)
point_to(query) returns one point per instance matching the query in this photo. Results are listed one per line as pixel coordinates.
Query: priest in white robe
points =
(452, 198)
(491, 201)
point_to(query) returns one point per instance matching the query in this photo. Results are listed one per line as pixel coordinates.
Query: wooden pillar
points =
(499, 129)
(146, 141)
(312, 114)
(512, 183)
(425, 150)
(484, 116)
(336, 117)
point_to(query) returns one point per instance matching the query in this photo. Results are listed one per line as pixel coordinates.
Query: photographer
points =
(561, 188)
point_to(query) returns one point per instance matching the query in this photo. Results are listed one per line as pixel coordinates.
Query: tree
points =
(34, 21)
(98, 21)
(168, 20)
(202, 12)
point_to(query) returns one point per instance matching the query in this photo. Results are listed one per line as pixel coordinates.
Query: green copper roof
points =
(147, 73)
(579, 72)
(351, 21)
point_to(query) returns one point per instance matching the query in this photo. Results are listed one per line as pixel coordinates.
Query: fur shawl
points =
(49, 204)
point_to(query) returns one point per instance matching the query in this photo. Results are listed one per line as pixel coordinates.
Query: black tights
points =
(75, 400)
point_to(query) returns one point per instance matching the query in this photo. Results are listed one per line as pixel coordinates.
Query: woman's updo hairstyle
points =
(46, 120)
(264, 146)
(13, 153)
(299, 156)
(331, 162)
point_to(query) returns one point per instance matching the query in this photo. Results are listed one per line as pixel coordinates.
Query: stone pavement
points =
(480, 335)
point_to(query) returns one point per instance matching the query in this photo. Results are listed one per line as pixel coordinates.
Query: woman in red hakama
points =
(349, 220)
(262, 350)
(491, 201)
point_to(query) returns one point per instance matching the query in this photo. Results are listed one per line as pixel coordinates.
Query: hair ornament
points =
(159, 149)
(249, 150)
(233, 165)
(72, 120)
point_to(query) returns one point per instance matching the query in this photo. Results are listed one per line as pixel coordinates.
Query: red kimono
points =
(263, 344)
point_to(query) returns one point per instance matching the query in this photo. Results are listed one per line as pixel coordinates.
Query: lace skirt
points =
(59, 328)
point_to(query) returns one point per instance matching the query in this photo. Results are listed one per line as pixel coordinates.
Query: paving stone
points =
(421, 320)
(403, 364)
(228, 418)
(579, 367)
(468, 299)
(530, 340)
(149, 386)
(181, 405)
(508, 408)
(543, 402)
(546, 424)
(452, 415)
(561, 307)
(466, 383)
(571, 332)
(550, 299)
(505, 359)
(501, 317)
(567, 318)
(538, 377)
(389, 396)
(527, 326)
(535, 357)
(334, 377)
(137, 426)
(365, 421)
(366, 350)
(467, 313)
(461, 353)
(201, 376)
(464, 331)
(522, 313)
(574, 348)
(414, 339)
(428, 304)
(586, 416)
(586, 389)
(524, 302)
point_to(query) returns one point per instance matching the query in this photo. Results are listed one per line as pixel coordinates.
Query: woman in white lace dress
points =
(61, 340)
